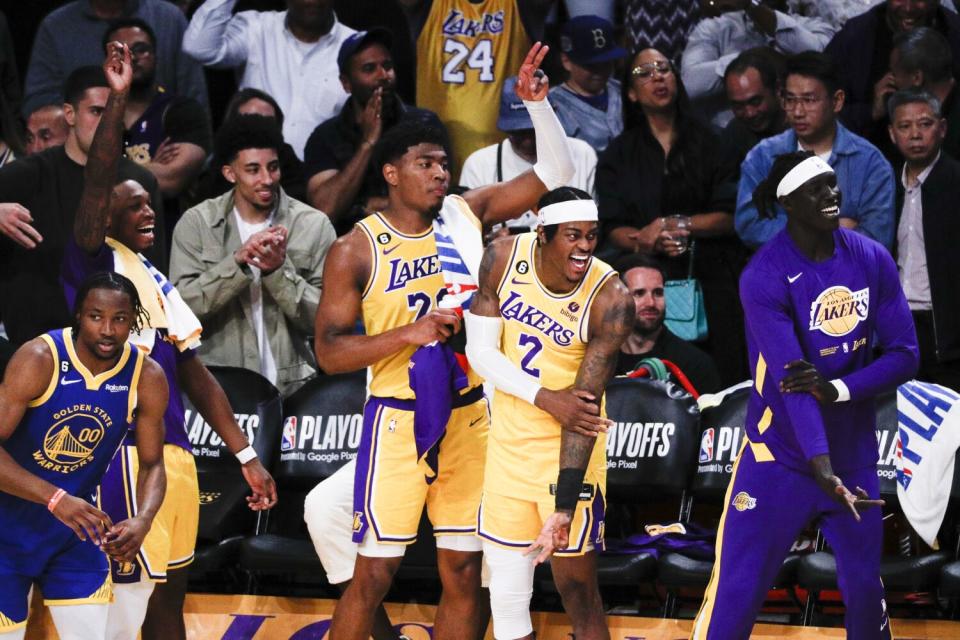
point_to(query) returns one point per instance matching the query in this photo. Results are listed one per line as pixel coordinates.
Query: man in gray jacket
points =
(249, 262)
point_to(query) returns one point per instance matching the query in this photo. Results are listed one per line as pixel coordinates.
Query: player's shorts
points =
(515, 523)
(171, 541)
(67, 570)
(391, 486)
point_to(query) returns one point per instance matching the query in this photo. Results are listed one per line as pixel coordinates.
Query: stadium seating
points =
(224, 516)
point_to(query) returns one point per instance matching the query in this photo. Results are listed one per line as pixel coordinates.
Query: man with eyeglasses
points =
(812, 100)
(732, 26)
(167, 134)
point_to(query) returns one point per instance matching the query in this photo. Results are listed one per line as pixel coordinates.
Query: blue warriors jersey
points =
(69, 434)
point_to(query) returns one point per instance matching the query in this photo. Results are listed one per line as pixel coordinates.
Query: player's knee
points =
(372, 578)
(459, 572)
(579, 593)
(511, 588)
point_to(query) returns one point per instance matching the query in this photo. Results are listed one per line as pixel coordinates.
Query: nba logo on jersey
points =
(706, 446)
(289, 439)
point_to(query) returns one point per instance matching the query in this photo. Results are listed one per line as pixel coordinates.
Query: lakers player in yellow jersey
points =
(465, 51)
(545, 329)
(387, 272)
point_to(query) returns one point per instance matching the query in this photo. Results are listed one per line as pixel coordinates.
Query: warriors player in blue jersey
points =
(545, 329)
(68, 400)
(819, 301)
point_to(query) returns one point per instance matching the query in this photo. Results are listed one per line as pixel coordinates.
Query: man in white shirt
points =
(292, 55)
(509, 158)
(731, 27)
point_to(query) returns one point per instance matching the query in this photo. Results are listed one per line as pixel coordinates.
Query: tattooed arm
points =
(100, 173)
(611, 320)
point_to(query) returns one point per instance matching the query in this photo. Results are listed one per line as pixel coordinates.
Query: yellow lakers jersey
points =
(544, 334)
(405, 283)
(464, 53)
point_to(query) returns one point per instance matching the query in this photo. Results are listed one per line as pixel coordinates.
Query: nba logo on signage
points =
(706, 446)
(289, 440)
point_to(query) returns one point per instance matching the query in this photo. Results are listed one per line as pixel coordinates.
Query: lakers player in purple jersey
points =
(820, 301)
(149, 592)
(68, 400)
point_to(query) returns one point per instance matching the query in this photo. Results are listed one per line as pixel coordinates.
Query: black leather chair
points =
(908, 574)
(721, 436)
(224, 516)
(321, 432)
(650, 451)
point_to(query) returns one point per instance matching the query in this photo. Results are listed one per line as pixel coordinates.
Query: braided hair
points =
(765, 195)
(113, 281)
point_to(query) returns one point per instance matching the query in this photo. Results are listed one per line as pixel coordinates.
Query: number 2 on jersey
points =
(535, 347)
(480, 58)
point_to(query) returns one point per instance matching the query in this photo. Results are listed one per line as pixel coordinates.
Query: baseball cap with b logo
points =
(590, 40)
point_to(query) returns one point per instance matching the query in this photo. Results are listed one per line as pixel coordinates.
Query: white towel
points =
(160, 299)
(929, 431)
(460, 247)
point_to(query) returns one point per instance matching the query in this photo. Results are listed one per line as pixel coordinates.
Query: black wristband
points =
(569, 484)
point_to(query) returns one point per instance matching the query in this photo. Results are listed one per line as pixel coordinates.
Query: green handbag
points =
(686, 316)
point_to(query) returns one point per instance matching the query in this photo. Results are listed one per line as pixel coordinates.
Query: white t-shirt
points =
(268, 366)
(480, 169)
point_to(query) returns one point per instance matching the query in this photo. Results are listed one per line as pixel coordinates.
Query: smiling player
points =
(545, 329)
(819, 299)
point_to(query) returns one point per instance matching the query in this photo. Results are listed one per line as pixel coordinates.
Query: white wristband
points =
(246, 454)
(843, 393)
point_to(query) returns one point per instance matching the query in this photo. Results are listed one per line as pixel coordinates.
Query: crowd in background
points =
(674, 111)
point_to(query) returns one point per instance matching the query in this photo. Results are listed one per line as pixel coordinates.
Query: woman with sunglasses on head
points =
(663, 190)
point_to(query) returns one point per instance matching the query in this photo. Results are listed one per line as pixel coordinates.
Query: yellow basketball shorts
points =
(515, 523)
(392, 485)
(170, 543)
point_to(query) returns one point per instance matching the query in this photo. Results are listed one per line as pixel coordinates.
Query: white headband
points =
(809, 168)
(568, 211)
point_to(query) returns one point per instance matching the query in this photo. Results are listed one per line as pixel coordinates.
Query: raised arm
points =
(217, 38)
(337, 347)
(554, 168)
(125, 538)
(100, 173)
(27, 377)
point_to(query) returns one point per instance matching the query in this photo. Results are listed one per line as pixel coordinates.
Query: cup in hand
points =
(678, 228)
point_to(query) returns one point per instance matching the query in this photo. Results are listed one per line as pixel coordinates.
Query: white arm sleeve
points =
(554, 164)
(485, 356)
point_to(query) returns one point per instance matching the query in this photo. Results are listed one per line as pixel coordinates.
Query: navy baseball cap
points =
(589, 40)
(513, 113)
(359, 40)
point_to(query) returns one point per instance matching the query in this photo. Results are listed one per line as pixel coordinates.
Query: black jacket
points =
(861, 50)
(941, 229)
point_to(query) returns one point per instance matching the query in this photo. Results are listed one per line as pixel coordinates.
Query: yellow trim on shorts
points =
(183, 562)
(702, 621)
(103, 595)
(761, 373)
(7, 625)
(51, 387)
(134, 381)
(765, 420)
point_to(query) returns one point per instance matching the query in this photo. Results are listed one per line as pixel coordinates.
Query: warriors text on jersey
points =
(545, 335)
